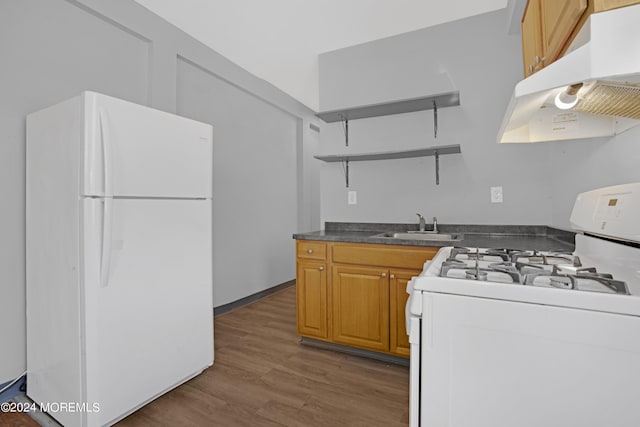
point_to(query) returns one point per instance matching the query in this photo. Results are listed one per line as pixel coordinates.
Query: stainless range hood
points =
(602, 66)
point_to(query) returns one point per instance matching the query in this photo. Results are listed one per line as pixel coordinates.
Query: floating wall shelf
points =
(432, 102)
(446, 98)
(422, 152)
(449, 99)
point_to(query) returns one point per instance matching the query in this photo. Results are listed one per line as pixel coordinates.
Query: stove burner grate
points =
(582, 281)
(547, 258)
(562, 270)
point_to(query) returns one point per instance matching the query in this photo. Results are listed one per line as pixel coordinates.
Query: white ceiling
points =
(279, 40)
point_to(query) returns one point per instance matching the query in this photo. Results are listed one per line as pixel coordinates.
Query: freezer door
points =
(133, 150)
(148, 299)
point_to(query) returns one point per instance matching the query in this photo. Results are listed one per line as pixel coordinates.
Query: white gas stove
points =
(505, 337)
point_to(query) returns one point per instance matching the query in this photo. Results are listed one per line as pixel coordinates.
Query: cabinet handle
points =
(309, 251)
(383, 275)
(539, 62)
(393, 276)
(530, 69)
(321, 268)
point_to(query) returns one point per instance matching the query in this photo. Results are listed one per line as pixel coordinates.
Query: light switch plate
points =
(496, 194)
(352, 198)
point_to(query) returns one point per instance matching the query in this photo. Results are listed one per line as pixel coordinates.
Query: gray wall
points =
(254, 182)
(483, 62)
(53, 49)
(583, 165)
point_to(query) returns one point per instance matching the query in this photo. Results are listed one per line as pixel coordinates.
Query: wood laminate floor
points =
(262, 376)
(17, 419)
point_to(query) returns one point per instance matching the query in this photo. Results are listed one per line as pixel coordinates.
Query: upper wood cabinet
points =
(531, 37)
(558, 19)
(600, 5)
(549, 27)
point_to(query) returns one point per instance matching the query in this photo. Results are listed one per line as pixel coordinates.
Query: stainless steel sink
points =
(422, 235)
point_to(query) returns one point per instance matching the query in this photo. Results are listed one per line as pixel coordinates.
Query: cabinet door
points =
(360, 301)
(398, 339)
(601, 5)
(531, 37)
(311, 295)
(559, 18)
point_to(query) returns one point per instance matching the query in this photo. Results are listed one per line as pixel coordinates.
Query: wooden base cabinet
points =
(398, 296)
(311, 290)
(311, 299)
(354, 294)
(360, 306)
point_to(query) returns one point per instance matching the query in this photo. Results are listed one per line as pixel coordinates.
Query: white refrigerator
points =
(119, 256)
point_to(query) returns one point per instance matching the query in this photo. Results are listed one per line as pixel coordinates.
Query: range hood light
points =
(568, 98)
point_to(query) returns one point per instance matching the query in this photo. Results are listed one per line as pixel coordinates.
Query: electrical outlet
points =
(352, 198)
(496, 194)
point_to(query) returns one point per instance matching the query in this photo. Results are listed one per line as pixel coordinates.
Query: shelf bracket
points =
(437, 157)
(435, 120)
(345, 129)
(345, 167)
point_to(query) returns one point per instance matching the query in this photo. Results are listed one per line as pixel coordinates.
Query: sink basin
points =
(422, 235)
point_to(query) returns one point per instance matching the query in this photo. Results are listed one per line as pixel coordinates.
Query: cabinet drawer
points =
(311, 249)
(383, 255)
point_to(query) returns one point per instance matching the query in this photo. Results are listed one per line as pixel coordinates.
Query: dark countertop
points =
(537, 237)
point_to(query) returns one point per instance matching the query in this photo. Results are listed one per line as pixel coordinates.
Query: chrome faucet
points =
(422, 222)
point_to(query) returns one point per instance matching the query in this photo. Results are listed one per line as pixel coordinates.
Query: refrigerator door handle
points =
(105, 261)
(106, 153)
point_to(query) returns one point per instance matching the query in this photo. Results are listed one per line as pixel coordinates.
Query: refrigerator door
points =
(133, 150)
(148, 313)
